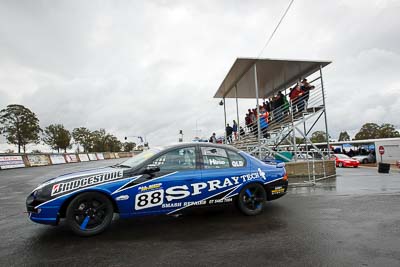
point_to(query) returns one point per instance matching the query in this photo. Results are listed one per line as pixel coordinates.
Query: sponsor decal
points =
(149, 199)
(60, 188)
(71, 158)
(83, 157)
(278, 190)
(38, 160)
(153, 195)
(57, 159)
(9, 162)
(149, 187)
(92, 156)
(99, 156)
(237, 163)
(122, 197)
(216, 162)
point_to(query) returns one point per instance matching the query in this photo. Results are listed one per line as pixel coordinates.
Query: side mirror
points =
(151, 168)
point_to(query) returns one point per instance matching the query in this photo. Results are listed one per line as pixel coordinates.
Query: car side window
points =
(214, 158)
(178, 159)
(237, 160)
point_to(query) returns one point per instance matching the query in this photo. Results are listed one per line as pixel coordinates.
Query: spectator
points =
(306, 87)
(296, 97)
(279, 105)
(235, 129)
(229, 131)
(241, 131)
(213, 139)
(264, 122)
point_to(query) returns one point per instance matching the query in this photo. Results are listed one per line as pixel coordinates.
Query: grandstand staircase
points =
(280, 132)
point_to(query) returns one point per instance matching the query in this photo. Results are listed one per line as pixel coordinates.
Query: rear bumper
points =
(276, 189)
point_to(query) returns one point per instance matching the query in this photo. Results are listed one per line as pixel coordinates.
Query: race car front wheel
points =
(89, 213)
(251, 199)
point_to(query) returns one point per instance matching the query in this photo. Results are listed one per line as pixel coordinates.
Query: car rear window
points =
(237, 160)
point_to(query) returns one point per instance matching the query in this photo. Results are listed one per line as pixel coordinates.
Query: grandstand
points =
(251, 78)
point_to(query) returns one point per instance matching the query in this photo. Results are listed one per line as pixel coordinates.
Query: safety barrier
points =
(12, 161)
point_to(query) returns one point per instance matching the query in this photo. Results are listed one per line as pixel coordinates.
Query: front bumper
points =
(43, 214)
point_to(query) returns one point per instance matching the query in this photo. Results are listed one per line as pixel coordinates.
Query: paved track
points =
(351, 221)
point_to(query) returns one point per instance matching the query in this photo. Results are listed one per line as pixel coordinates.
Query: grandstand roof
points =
(273, 75)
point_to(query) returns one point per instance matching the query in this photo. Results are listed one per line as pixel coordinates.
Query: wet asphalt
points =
(353, 220)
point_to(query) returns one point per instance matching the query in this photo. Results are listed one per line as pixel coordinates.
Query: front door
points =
(168, 189)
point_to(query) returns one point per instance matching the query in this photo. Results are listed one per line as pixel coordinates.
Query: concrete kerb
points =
(393, 168)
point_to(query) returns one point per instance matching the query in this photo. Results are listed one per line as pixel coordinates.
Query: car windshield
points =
(140, 158)
(342, 156)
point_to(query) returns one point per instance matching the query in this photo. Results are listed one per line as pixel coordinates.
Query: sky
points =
(151, 68)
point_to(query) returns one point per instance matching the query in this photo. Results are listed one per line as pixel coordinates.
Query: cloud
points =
(151, 68)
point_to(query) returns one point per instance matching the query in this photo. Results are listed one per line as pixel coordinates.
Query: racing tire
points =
(251, 199)
(340, 165)
(89, 214)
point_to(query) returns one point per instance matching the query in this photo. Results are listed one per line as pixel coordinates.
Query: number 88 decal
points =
(149, 199)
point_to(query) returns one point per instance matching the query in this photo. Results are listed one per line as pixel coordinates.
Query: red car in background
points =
(343, 160)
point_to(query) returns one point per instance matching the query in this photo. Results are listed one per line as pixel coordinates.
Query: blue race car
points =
(165, 180)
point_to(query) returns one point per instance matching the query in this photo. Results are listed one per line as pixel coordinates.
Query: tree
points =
(56, 136)
(388, 131)
(368, 131)
(344, 136)
(20, 126)
(129, 146)
(105, 142)
(318, 137)
(373, 131)
(83, 137)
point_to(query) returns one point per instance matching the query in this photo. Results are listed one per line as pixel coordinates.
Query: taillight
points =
(285, 177)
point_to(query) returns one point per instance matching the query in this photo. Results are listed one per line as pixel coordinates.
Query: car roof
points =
(185, 144)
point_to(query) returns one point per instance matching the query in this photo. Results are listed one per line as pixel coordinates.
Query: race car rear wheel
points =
(89, 213)
(340, 165)
(251, 199)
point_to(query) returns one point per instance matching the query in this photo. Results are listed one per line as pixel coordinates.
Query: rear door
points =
(222, 171)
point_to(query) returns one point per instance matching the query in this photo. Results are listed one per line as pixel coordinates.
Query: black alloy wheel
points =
(251, 199)
(89, 213)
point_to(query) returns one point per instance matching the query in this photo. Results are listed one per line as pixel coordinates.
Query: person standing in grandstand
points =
(213, 139)
(235, 129)
(229, 131)
(306, 87)
(296, 96)
(264, 123)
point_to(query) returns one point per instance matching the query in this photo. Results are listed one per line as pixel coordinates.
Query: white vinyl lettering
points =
(214, 184)
(235, 179)
(197, 187)
(177, 192)
(227, 182)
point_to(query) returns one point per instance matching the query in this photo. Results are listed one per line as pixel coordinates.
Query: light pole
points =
(180, 140)
(222, 103)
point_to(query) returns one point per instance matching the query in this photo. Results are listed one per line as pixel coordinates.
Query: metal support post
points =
(258, 110)
(306, 143)
(237, 112)
(326, 120)
(293, 130)
(225, 121)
